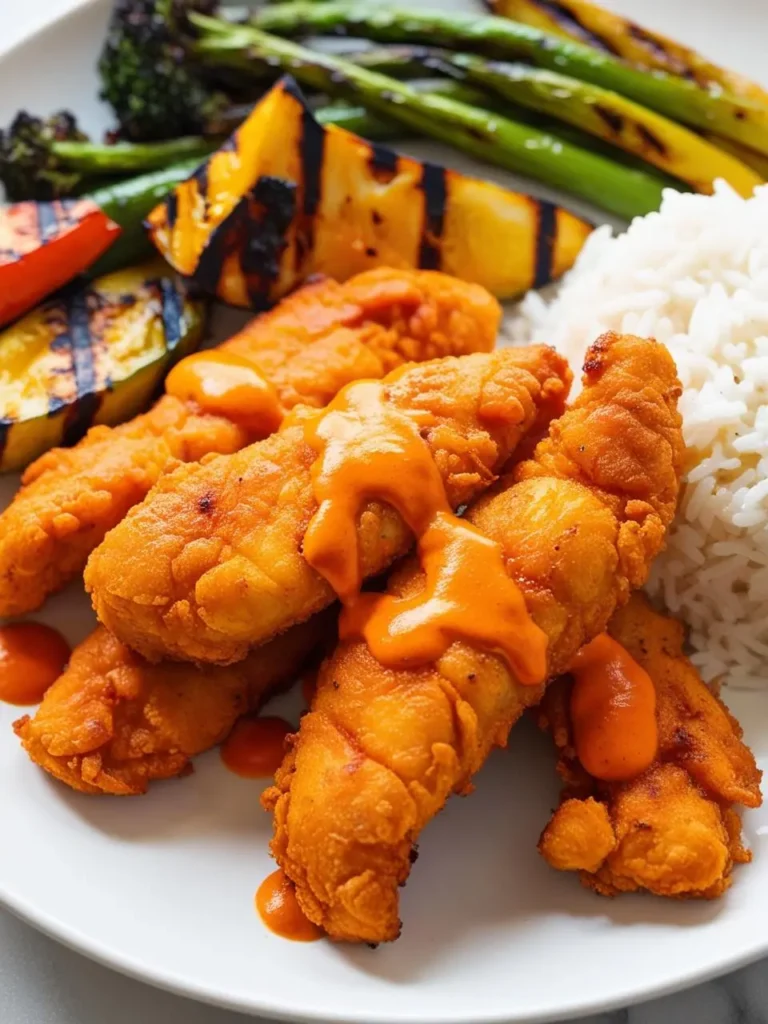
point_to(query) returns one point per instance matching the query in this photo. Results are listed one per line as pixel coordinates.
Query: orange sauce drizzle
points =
(467, 595)
(256, 746)
(613, 711)
(280, 911)
(224, 384)
(32, 657)
(367, 449)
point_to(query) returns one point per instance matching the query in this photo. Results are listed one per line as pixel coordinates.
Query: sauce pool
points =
(32, 657)
(224, 384)
(280, 911)
(613, 712)
(256, 746)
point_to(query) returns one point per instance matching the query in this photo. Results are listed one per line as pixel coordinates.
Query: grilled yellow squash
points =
(92, 354)
(286, 198)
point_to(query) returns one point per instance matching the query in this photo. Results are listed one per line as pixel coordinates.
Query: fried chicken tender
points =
(673, 830)
(210, 564)
(112, 723)
(309, 346)
(381, 749)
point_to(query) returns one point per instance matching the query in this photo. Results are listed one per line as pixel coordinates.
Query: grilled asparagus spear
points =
(606, 115)
(516, 147)
(359, 121)
(592, 24)
(410, 62)
(587, 22)
(739, 118)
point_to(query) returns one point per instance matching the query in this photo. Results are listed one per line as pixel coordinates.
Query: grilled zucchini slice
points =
(286, 198)
(92, 354)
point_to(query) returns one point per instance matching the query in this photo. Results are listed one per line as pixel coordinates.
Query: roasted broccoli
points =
(49, 159)
(30, 167)
(154, 90)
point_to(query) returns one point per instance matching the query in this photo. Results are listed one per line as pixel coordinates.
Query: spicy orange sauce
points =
(280, 911)
(32, 657)
(367, 450)
(467, 594)
(256, 746)
(613, 711)
(224, 384)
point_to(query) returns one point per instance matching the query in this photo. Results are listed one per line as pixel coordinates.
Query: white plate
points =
(162, 887)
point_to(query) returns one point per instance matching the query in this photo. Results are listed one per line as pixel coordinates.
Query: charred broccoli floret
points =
(154, 90)
(49, 159)
(30, 167)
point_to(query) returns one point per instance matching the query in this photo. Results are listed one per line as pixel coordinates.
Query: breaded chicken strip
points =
(210, 564)
(382, 749)
(156, 717)
(309, 346)
(673, 830)
(112, 723)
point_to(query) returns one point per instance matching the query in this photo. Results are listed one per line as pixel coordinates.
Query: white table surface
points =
(41, 982)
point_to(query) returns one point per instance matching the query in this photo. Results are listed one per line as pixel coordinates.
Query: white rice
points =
(694, 276)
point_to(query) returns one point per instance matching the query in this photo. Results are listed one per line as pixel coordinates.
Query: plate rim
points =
(143, 971)
(167, 981)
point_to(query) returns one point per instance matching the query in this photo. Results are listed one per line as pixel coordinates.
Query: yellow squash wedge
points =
(92, 354)
(286, 198)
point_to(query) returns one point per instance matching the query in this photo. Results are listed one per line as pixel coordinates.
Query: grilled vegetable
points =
(29, 166)
(739, 118)
(605, 30)
(409, 62)
(589, 23)
(359, 121)
(36, 164)
(287, 198)
(127, 203)
(515, 146)
(93, 354)
(153, 90)
(607, 115)
(44, 245)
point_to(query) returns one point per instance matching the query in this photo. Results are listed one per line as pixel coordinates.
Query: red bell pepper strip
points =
(44, 245)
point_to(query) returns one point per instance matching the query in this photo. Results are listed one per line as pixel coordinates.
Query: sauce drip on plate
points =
(256, 746)
(223, 384)
(613, 711)
(367, 450)
(32, 657)
(280, 911)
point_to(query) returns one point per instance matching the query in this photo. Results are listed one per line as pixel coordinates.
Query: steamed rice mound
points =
(694, 276)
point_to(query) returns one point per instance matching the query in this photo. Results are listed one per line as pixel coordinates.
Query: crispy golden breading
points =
(211, 564)
(382, 750)
(112, 723)
(673, 830)
(311, 345)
